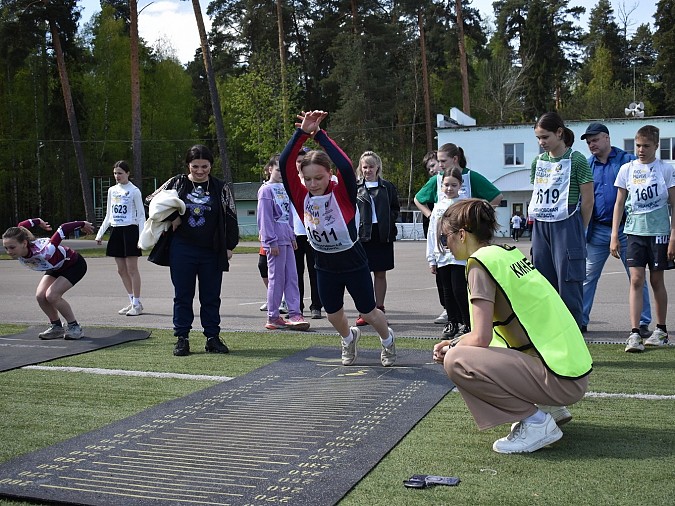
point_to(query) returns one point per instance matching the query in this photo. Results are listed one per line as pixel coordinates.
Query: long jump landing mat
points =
(18, 350)
(301, 431)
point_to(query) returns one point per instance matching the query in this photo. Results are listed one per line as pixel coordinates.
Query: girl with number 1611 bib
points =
(328, 210)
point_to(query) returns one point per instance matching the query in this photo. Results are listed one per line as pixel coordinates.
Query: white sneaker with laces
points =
(442, 318)
(125, 309)
(634, 343)
(349, 351)
(73, 332)
(658, 338)
(283, 307)
(135, 310)
(264, 307)
(388, 354)
(529, 437)
(52, 332)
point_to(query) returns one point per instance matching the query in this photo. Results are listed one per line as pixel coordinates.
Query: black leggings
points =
(452, 280)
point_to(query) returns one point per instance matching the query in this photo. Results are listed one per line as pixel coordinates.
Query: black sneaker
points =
(644, 332)
(215, 345)
(450, 330)
(182, 347)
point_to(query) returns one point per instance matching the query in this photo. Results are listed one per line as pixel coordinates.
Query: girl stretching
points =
(328, 209)
(63, 268)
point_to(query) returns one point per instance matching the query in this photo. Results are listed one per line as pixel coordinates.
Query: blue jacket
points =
(603, 183)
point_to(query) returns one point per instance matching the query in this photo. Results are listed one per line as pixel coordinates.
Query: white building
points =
(504, 153)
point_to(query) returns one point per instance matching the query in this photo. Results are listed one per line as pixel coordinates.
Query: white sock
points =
(131, 298)
(348, 339)
(135, 300)
(387, 342)
(538, 417)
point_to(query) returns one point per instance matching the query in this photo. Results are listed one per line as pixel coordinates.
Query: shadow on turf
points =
(590, 441)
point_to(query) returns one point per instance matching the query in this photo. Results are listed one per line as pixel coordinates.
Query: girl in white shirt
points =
(126, 215)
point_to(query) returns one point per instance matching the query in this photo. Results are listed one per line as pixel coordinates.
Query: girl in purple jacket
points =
(278, 240)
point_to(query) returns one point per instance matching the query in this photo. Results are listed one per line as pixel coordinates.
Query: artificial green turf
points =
(617, 451)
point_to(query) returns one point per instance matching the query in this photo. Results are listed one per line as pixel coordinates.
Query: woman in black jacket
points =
(377, 202)
(201, 247)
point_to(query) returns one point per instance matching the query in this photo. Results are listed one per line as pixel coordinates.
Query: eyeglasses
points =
(202, 167)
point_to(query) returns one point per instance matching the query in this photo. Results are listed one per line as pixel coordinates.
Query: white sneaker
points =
(73, 332)
(442, 318)
(349, 351)
(529, 437)
(52, 332)
(283, 307)
(135, 310)
(125, 309)
(388, 354)
(658, 338)
(561, 415)
(634, 343)
(264, 307)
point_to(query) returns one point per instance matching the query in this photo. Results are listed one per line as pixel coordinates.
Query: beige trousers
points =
(501, 385)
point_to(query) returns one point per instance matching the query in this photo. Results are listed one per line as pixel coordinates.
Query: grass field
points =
(619, 450)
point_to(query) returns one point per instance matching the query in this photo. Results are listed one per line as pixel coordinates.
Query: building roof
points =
(246, 191)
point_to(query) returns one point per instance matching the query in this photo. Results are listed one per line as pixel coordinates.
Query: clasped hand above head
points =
(310, 121)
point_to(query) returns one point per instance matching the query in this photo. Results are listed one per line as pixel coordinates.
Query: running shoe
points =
(297, 322)
(52, 332)
(73, 332)
(349, 351)
(658, 338)
(634, 343)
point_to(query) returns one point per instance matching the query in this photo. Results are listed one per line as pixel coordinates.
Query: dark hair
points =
(551, 121)
(649, 132)
(19, 233)
(476, 216)
(122, 165)
(199, 152)
(454, 150)
(274, 160)
(455, 172)
(431, 155)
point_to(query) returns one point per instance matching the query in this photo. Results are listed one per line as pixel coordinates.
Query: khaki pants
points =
(501, 385)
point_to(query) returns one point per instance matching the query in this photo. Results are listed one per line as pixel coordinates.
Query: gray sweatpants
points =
(501, 385)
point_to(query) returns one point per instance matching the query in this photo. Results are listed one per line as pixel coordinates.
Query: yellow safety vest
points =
(548, 324)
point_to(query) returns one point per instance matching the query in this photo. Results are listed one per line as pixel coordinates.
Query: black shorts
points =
(652, 251)
(359, 284)
(123, 242)
(74, 273)
(262, 266)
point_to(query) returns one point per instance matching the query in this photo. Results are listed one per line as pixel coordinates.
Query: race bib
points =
(551, 192)
(325, 225)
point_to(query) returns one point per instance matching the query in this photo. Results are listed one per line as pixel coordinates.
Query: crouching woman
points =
(525, 358)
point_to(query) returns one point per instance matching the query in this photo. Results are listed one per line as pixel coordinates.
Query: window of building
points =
(667, 148)
(629, 146)
(250, 212)
(514, 154)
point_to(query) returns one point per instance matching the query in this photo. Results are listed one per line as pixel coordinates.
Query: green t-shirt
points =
(481, 188)
(581, 172)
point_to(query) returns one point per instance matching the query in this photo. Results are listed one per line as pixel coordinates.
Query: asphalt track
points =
(411, 302)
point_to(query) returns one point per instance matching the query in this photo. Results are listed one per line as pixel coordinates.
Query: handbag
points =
(160, 251)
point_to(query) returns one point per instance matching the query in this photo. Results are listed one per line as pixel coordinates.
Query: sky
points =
(173, 22)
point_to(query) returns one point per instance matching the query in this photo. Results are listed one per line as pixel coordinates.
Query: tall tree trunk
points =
(466, 104)
(87, 193)
(425, 83)
(213, 90)
(282, 62)
(135, 96)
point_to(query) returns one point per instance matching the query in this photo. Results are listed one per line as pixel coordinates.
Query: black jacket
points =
(227, 237)
(387, 208)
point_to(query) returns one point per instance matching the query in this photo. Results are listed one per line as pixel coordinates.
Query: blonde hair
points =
(372, 156)
(19, 233)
